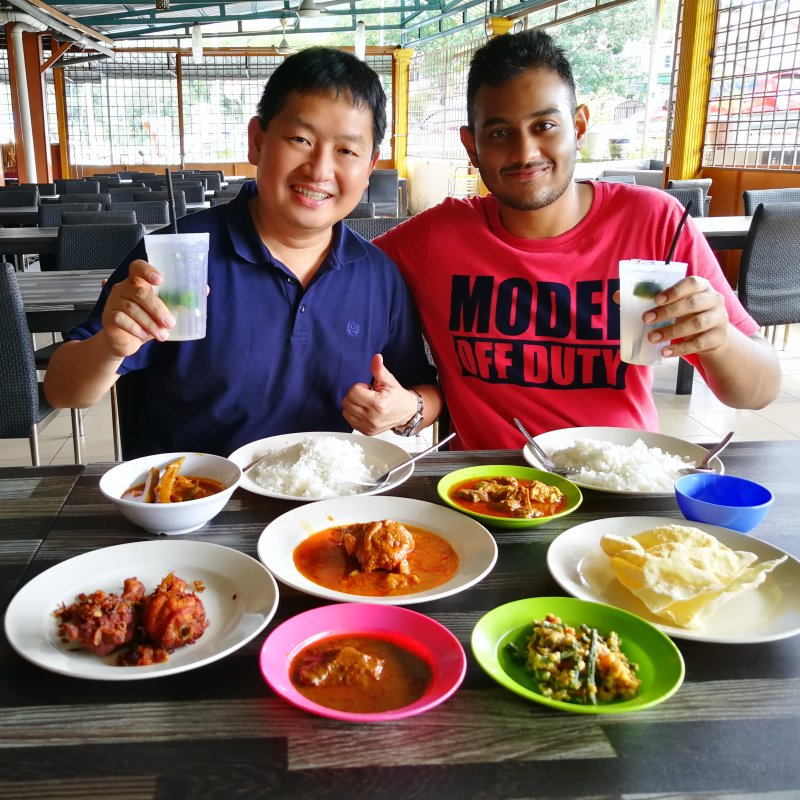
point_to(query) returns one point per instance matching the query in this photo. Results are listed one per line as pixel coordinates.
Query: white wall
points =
(428, 180)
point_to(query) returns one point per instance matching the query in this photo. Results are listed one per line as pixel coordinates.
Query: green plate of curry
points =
(498, 518)
(500, 638)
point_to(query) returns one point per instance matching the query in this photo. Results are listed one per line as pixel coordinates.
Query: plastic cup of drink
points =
(182, 259)
(639, 283)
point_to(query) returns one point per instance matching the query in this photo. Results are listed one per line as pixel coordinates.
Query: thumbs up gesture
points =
(383, 404)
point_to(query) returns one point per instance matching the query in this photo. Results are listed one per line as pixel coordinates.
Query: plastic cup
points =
(639, 282)
(182, 258)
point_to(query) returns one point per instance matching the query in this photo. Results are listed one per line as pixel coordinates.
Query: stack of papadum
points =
(683, 575)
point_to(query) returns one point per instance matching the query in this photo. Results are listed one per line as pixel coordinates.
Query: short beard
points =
(540, 199)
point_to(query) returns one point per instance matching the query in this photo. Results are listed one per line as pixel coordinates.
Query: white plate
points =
(377, 453)
(556, 440)
(769, 612)
(240, 598)
(476, 549)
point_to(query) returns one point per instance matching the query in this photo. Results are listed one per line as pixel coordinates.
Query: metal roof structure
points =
(104, 24)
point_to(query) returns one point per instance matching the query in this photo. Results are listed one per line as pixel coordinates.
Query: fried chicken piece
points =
(346, 665)
(101, 622)
(379, 545)
(171, 616)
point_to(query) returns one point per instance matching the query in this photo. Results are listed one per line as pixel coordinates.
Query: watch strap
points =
(411, 426)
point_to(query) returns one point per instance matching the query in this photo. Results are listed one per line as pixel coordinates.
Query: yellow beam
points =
(498, 26)
(401, 65)
(694, 80)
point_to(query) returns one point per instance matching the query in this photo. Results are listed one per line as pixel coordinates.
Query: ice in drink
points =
(639, 283)
(182, 258)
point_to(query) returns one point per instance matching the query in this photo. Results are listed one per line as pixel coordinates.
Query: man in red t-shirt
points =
(517, 290)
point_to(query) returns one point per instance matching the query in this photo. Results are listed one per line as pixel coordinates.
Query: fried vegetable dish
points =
(146, 628)
(507, 496)
(579, 666)
(171, 486)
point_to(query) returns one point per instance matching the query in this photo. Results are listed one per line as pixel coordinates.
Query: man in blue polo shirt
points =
(309, 328)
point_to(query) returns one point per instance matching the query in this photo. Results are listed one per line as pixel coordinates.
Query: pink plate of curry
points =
(363, 663)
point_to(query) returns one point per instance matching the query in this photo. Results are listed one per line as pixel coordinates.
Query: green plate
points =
(661, 668)
(573, 493)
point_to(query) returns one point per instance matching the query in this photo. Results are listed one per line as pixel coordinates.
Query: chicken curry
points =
(509, 497)
(376, 559)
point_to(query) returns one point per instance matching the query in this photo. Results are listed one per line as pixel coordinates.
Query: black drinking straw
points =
(678, 232)
(171, 196)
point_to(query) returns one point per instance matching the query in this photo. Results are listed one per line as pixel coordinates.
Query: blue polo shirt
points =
(276, 359)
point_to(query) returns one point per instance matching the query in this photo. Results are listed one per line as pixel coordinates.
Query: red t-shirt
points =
(527, 327)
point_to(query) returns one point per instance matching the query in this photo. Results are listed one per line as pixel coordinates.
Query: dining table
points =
(55, 301)
(731, 729)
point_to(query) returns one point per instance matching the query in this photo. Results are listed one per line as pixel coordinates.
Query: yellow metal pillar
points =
(61, 117)
(498, 26)
(401, 65)
(694, 79)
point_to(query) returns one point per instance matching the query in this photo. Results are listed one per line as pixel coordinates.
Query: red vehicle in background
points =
(756, 94)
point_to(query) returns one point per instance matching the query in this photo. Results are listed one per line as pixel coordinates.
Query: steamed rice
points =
(320, 467)
(632, 468)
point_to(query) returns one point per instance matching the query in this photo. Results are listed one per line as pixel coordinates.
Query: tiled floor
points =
(698, 417)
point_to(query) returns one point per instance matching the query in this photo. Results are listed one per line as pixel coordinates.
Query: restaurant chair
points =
(769, 271)
(180, 200)
(98, 217)
(45, 189)
(124, 175)
(50, 216)
(123, 194)
(755, 197)
(143, 176)
(148, 212)
(96, 246)
(220, 201)
(683, 196)
(231, 191)
(19, 197)
(195, 191)
(104, 198)
(384, 192)
(362, 210)
(81, 187)
(212, 180)
(372, 227)
(618, 179)
(463, 183)
(695, 183)
(23, 408)
(63, 183)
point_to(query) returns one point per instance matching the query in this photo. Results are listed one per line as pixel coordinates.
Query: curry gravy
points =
(322, 559)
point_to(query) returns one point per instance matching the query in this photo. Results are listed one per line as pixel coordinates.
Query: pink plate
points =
(406, 628)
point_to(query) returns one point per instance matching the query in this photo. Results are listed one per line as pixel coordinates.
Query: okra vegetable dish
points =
(578, 666)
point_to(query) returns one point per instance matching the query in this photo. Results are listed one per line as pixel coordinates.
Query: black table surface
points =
(219, 731)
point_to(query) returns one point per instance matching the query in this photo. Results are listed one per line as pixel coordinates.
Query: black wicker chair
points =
(96, 246)
(148, 212)
(49, 216)
(104, 198)
(769, 271)
(753, 198)
(704, 184)
(180, 199)
(23, 407)
(372, 227)
(98, 217)
(684, 196)
(362, 210)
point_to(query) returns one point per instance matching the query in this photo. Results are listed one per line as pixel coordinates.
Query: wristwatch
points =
(411, 426)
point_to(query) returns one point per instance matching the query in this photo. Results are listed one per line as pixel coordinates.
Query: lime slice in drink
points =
(648, 289)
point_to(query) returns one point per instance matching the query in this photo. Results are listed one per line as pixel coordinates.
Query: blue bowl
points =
(723, 500)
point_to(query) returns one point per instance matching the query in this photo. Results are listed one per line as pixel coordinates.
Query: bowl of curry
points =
(377, 549)
(363, 663)
(506, 496)
(171, 493)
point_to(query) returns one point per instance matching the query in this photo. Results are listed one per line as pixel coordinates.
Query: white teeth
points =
(312, 195)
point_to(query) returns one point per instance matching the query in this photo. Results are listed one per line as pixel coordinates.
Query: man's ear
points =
(581, 121)
(255, 136)
(468, 140)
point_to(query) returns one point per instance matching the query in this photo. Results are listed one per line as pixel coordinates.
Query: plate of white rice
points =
(620, 460)
(319, 465)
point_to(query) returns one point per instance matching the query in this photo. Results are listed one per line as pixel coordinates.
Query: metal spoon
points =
(703, 466)
(545, 459)
(382, 479)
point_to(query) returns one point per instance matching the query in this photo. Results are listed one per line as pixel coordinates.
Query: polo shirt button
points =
(302, 309)
(288, 280)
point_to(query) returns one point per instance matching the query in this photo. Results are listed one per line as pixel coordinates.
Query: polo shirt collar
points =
(346, 246)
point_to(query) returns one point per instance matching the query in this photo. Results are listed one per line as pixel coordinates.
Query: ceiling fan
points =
(311, 8)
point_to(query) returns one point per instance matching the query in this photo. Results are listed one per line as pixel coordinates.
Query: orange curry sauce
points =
(322, 559)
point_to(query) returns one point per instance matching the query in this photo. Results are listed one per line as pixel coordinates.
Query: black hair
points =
(505, 57)
(326, 71)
